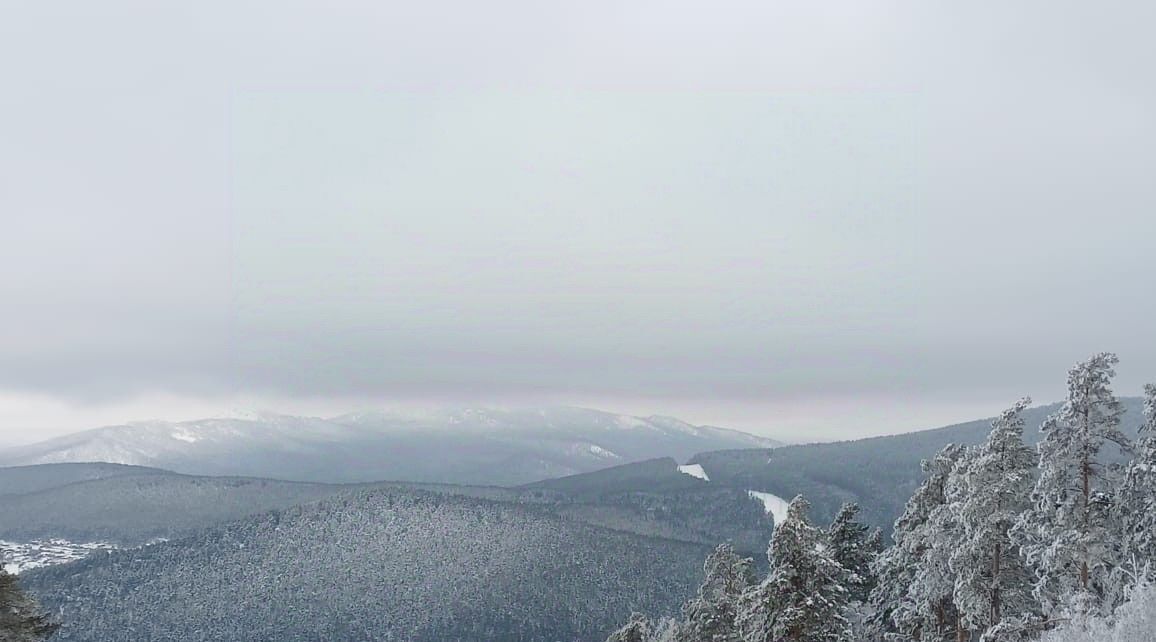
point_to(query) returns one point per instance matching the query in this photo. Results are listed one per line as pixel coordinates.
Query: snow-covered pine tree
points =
(894, 611)
(637, 629)
(710, 615)
(640, 629)
(1138, 500)
(994, 489)
(666, 630)
(803, 597)
(20, 617)
(1067, 536)
(852, 548)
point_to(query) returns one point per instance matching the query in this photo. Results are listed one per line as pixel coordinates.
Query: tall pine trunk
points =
(995, 586)
(1085, 472)
(1086, 477)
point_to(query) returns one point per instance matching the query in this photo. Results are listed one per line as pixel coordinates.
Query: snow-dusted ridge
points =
(465, 445)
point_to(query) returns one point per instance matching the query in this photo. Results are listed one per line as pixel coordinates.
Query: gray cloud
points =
(746, 203)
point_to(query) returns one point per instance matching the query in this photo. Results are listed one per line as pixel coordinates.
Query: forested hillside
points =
(654, 498)
(382, 564)
(140, 505)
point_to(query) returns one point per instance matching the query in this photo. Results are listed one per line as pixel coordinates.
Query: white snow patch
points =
(694, 470)
(773, 504)
(602, 452)
(626, 421)
(186, 436)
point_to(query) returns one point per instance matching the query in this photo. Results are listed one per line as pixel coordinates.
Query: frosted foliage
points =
(1138, 497)
(900, 598)
(640, 629)
(1067, 536)
(636, 630)
(1149, 409)
(852, 546)
(710, 615)
(1135, 621)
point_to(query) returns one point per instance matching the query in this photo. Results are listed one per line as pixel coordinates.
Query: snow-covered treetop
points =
(797, 509)
(930, 494)
(1149, 409)
(1009, 424)
(1091, 415)
(726, 574)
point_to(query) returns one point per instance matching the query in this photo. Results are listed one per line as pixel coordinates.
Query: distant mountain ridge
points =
(464, 446)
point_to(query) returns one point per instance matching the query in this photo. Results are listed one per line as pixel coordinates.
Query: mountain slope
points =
(130, 510)
(472, 446)
(383, 564)
(19, 480)
(654, 497)
(134, 509)
(879, 473)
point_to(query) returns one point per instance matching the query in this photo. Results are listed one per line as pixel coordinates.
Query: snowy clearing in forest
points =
(775, 505)
(694, 470)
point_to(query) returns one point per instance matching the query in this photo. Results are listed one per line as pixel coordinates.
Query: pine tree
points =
(637, 629)
(804, 596)
(1067, 536)
(666, 630)
(1138, 500)
(710, 616)
(852, 547)
(20, 616)
(895, 608)
(931, 594)
(994, 490)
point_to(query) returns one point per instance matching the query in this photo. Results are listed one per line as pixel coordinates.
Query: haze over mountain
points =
(468, 446)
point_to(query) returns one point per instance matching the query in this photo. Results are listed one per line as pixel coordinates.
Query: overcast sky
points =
(807, 220)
